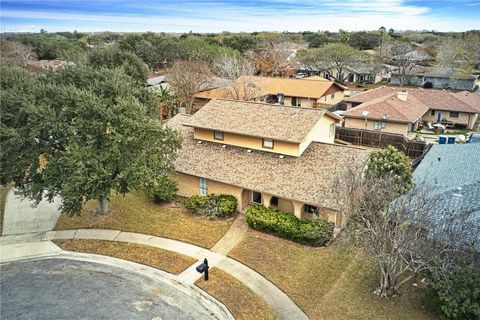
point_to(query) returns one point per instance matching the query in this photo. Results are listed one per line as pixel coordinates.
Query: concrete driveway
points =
(70, 289)
(20, 217)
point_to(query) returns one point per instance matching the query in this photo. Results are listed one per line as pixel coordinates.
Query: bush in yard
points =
(286, 225)
(457, 295)
(212, 205)
(163, 192)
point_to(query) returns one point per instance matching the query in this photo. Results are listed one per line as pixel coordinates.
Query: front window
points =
(331, 129)
(267, 143)
(333, 96)
(432, 113)
(256, 197)
(296, 101)
(274, 201)
(454, 114)
(203, 187)
(218, 135)
(311, 209)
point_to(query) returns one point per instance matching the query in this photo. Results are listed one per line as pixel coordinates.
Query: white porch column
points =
(297, 208)
(266, 199)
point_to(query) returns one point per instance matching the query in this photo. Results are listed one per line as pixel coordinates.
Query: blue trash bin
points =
(442, 140)
(451, 140)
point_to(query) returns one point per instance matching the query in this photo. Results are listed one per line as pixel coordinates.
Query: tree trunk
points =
(387, 282)
(102, 206)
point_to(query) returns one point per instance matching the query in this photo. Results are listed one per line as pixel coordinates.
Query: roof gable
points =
(264, 120)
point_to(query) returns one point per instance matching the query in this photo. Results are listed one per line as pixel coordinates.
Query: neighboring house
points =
(363, 73)
(156, 81)
(313, 92)
(280, 157)
(437, 79)
(400, 110)
(451, 174)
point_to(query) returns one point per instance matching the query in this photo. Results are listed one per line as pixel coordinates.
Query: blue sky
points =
(247, 15)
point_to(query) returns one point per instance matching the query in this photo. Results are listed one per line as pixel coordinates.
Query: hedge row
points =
(222, 205)
(286, 225)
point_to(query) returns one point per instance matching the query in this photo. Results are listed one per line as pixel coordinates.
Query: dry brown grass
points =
(154, 257)
(136, 213)
(240, 300)
(327, 283)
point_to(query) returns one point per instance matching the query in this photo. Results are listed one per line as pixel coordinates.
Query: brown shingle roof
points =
(470, 99)
(433, 99)
(306, 88)
(309, 178)
(396, 109)
(257, 119)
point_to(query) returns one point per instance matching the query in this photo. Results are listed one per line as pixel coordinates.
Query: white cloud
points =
(214, 16)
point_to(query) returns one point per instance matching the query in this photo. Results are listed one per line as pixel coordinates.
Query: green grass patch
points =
(136, 213)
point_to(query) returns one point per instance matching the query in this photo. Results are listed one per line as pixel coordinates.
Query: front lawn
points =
(136, 213)
(154, 257)
(333, 282)
(242, 302)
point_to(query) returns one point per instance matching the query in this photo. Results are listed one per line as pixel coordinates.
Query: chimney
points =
(402, 95)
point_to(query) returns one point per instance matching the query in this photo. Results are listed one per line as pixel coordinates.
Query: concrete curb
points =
(281, 304)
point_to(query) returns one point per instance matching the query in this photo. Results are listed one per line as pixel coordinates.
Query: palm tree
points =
(166, 102)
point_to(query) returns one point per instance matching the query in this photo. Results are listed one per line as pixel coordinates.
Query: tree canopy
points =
(114, 57)
(336, 56)
(80, 134)
(391, 161)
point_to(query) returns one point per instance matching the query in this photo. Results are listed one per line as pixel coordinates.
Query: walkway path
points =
(21, 217)
(283, 306)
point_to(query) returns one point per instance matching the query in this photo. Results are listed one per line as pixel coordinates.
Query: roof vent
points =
(224, 145)
(249, 150)
(281, 156)
(402, 95)
(199, 142)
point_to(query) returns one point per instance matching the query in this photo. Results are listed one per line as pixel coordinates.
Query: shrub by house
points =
(286, 225)
(212, 205)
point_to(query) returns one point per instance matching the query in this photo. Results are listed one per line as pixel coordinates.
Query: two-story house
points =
(311, 92)
(282, 157)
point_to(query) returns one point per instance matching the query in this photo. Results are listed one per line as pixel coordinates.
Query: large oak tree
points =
(80, 134)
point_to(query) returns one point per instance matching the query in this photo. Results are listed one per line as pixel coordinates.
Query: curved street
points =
(62, 288)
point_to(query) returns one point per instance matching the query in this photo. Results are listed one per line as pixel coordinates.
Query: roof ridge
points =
(268, 104)
(406, 115)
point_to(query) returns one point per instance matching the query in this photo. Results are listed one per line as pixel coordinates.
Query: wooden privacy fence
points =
(369, 138)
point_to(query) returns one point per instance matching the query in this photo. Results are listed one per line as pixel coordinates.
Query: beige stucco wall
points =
(392, 127)
(320, 133)
(281, 147)
(339, 95)
(463, 117)
(304, 102)
(189, 185)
